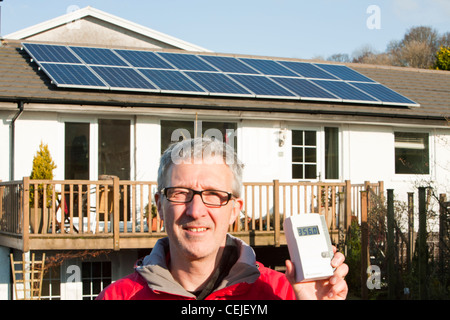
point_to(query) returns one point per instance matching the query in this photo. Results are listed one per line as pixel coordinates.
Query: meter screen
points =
(308, 231)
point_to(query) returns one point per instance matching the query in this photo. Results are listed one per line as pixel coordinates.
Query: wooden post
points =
(276, 212)
(443, 233)
(390, 245)
(422, 238)
(364, 244)
(342, 224)
(26, 214)
(116, 213)
(410, 247)
(348, 204)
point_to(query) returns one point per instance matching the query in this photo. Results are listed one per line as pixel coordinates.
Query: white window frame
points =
(320, 148)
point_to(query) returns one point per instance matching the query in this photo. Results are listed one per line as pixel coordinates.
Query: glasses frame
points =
(200, 193)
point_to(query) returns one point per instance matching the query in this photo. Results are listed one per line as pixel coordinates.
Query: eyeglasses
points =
(209, 197)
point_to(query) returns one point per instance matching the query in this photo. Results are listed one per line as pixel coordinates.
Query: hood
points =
(155, 271)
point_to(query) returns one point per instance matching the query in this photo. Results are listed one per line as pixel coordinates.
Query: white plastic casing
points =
(309, 248)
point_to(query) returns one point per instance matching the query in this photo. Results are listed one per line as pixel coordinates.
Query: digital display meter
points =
(309, 246)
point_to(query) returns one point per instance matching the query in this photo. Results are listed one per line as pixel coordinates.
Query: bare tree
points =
(417, 48)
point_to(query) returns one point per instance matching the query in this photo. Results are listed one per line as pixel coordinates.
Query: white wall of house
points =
(366, 152)
(5, 273)
(31, 129)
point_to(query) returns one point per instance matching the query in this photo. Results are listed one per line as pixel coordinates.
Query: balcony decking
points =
(115, 214)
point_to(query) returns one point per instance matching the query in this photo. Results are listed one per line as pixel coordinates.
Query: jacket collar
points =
(155, 271)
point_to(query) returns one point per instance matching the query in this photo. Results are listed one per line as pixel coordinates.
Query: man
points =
(199, 185)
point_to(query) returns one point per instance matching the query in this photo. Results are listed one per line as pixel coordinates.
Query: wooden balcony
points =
(115, 214)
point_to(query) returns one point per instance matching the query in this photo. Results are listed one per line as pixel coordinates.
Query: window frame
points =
(320, 152)
(430, 152)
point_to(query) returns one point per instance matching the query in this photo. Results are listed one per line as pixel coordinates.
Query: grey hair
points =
(196, 150)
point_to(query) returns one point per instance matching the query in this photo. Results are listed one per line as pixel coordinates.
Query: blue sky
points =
(281, 28)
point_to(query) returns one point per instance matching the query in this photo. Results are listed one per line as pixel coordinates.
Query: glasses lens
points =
(179, 194)
(216, 198)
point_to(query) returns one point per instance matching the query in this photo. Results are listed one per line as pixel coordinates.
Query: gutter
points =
(123, 104)
(12, 141)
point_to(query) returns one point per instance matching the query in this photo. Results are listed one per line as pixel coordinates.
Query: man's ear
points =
(238, 204)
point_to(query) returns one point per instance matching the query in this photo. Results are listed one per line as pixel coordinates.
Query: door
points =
(114, 148)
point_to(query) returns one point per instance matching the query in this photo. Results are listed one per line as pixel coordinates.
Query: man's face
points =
(195, 230)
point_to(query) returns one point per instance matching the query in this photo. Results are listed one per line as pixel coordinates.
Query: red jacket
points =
(247, 280)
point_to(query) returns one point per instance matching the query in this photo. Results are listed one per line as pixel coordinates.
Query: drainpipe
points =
(12, 140)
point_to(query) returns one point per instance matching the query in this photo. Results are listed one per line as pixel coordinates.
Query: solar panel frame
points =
(346, 91)
(268, 67)
(343, 72)
(386, 95)
(307, 90)
(98, 56)
(186, 62)
(172, 81)
(143, 59)
(308, 70)
(229, 64)
(54, 53)
(263, 86)
(79, 75)
(91, 67)
(130, 79)
(215, 83)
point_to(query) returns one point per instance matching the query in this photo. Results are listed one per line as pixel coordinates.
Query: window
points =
(95, 277)
(305, 160)
(304, 154)
(173, 131)
(51, 284)
(331, 153)
(114, 148)
(411, 153)
(76, 144)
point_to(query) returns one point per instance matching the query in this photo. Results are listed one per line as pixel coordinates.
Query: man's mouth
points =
(196, 229)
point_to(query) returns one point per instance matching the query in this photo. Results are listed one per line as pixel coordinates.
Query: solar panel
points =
(344, 91)
(54, 53)
(123, 78)
(383, 93)
(197, 74)
(218, 83)
(344, 72)
(98, 56)
(262, 86)
(229, 64)
(308, 70)
(268, 67)
(186, 61)
(171, 80)
(143, 59)
(304, 88)
(69, 75)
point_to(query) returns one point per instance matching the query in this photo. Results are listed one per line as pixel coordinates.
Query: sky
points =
(303, 29)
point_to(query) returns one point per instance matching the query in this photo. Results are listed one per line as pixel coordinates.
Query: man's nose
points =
(196, 208)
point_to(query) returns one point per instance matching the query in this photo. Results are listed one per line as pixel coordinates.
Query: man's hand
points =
(334, 288)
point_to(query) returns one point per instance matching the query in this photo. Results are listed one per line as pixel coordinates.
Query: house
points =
(121, 133)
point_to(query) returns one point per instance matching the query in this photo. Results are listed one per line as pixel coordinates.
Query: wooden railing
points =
(266, 205)
(110, 210)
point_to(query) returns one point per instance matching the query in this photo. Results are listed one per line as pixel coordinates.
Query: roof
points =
(106, 17)
(22, 81)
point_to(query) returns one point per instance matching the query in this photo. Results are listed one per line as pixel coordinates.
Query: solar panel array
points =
(200, 74)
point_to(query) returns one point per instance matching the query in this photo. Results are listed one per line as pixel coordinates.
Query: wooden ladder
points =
(27, 277)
